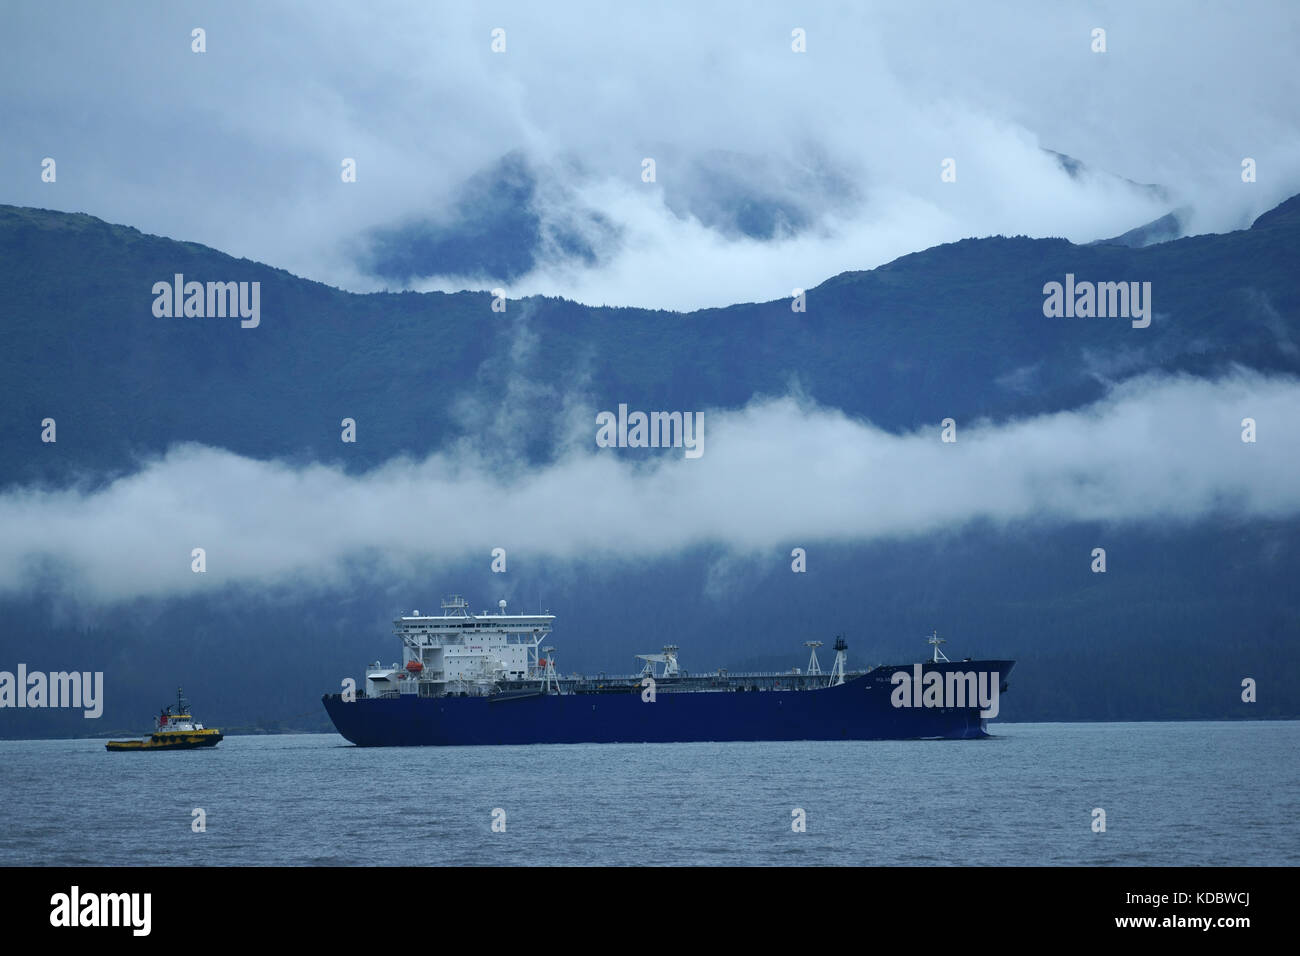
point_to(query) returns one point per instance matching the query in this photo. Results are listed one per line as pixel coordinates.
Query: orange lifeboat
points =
(414, 667)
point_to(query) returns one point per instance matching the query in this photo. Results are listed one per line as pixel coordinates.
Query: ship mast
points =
(548, 674)
(841, 655)
(814, 666)
(936, 640)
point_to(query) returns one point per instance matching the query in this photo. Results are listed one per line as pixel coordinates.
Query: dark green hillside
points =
(957, 331)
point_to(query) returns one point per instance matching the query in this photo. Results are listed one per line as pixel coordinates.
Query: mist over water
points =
(1193, 793)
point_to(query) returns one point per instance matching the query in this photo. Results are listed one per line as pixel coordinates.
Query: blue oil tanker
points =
(487, 679)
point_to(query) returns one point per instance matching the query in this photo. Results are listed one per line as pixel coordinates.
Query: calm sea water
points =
(1174, 793)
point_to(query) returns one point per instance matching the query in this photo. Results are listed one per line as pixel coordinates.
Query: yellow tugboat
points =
(176, 731)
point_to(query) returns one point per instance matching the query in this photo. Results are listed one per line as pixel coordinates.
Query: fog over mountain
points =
(775, 473)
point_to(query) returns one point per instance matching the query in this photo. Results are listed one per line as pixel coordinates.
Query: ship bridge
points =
(460, 652)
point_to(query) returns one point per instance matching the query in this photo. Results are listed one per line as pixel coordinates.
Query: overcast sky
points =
(240, 147)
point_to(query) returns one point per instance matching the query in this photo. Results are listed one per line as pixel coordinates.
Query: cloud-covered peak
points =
(775, 167)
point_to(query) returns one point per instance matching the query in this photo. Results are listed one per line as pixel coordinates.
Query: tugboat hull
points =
(176, 741)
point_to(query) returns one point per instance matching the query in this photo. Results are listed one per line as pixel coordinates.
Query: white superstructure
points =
(457, 652)
(180, 722)
(507, 656)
